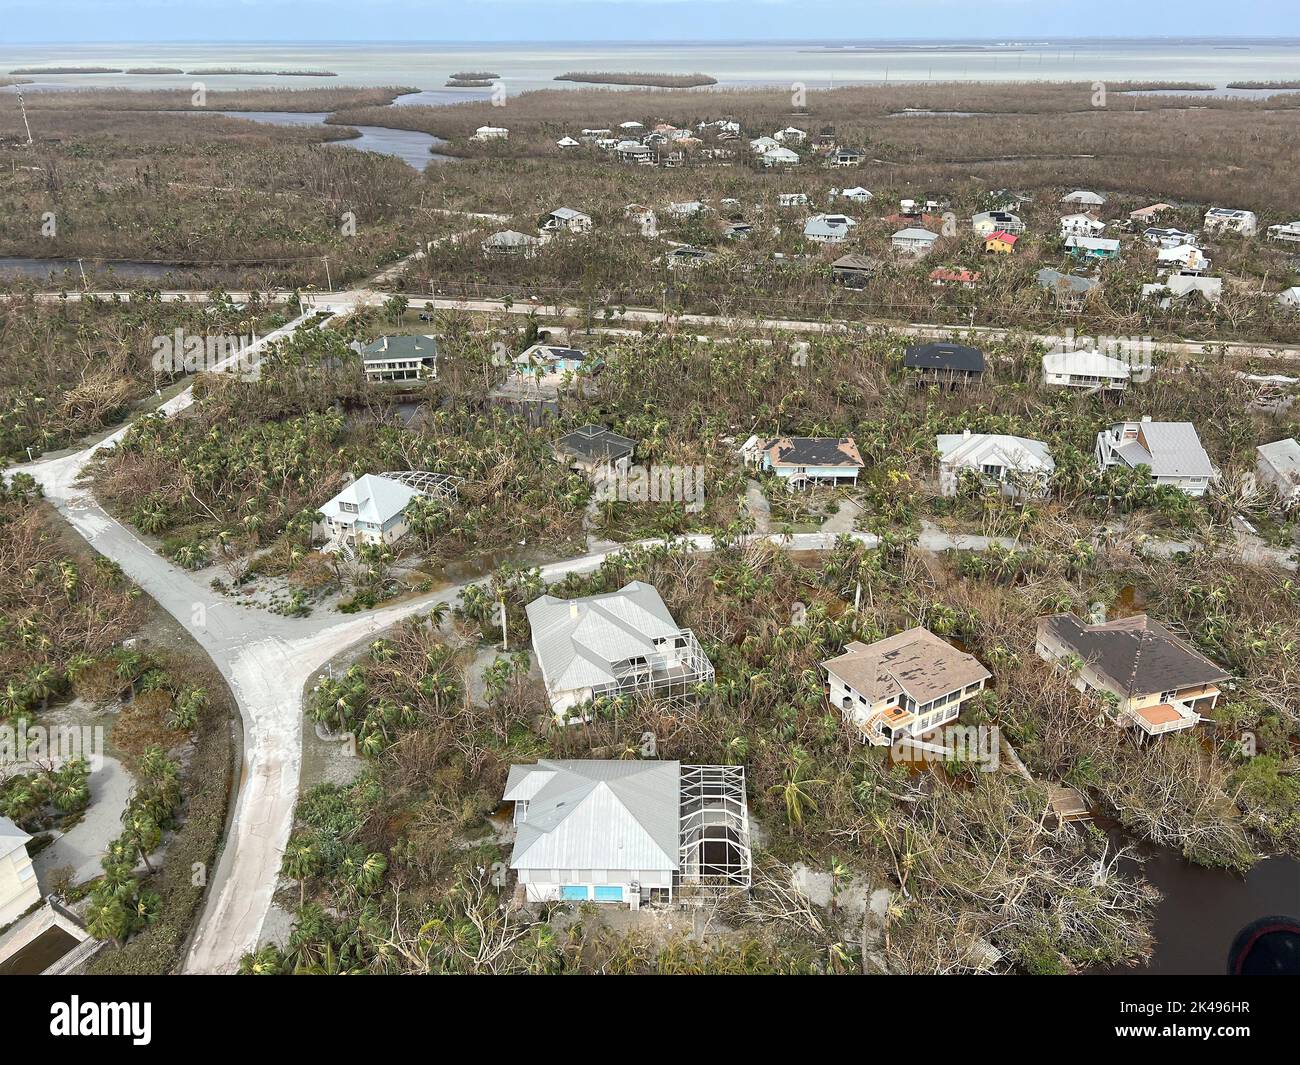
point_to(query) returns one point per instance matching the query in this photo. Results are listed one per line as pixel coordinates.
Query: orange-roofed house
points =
(905, 685)
(948, 276)
(1000, 243)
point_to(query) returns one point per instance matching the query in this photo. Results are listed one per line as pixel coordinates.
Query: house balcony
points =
(1164, 717)
(675, 669)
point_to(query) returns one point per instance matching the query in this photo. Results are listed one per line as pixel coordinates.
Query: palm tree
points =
(796, 790)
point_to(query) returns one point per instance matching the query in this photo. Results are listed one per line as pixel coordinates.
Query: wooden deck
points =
(1068, 804)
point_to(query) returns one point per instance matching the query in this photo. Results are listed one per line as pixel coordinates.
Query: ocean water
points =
(817, 65)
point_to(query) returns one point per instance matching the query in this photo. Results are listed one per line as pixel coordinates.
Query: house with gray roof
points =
(1160, 683)
(1017, 466)
(400, 358)
(510, 242)
(592, 447)
(913, 241)
(1170, 450)
(1089, 371)
(828, 228)
(626, 832)
(1069, 290)
(617, 644)
(565, 220)
(1278, 465)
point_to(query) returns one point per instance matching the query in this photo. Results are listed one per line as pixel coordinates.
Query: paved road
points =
(347, 300)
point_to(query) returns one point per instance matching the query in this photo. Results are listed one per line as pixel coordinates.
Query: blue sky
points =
(586, 20)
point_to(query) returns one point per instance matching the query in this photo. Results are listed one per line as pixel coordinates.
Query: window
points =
(609, 893)
(1169, 695)
(990, 469)
(574, 892)
(970, 688)
(348, 508)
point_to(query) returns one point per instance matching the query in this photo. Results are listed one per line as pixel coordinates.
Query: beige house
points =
(19, 890)
(1161, 683)
(906, 685)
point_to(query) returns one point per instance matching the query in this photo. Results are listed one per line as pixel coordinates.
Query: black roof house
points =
(953, 358)
(596, 444)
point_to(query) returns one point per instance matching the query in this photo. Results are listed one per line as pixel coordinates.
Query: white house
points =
(1287, 231)
(1290, 298)
(370, 510)
(986, 223)
(643, 217)
(792, 199)
(628, 832)
(1080, 225)
(1017, 466)
(790, 135)
(780, 157)
(913, 241)
(687, 209)
(19, 890)
(568, 142)
(566, 219)
(1167, 238)
(491, 133)
(902, 686)
(858, 194)
(1278, 465)
(1170, 450)
(1229, 220)
(762, 145)
(611, 645)
(1088, 370)
(1185, 258)
(400, 358)
(828, 228)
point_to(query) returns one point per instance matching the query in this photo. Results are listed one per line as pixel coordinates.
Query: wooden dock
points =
(1068, 804)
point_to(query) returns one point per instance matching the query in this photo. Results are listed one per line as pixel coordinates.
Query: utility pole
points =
(505, 631)
(84, 283)
(329, 284)
(26, 125)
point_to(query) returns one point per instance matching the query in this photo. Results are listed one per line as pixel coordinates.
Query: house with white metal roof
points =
(1285, 231)
(1172, 451)
(19, 890)
(1017, 466)
(780, 157)
(372, 509)
(491, 133)
(628, 832)
(913, 241)
(828, 228)
(1090, 371)
(612, 645)
(1092, 247)
(1184, 258)
(1278, 465)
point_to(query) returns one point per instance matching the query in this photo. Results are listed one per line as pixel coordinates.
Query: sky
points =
(24, 21)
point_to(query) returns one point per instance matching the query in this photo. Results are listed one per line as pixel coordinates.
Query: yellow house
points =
(19, 890)
(1000, 243)
(1160, 682)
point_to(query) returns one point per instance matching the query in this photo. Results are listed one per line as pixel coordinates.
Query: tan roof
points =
(916, 662)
